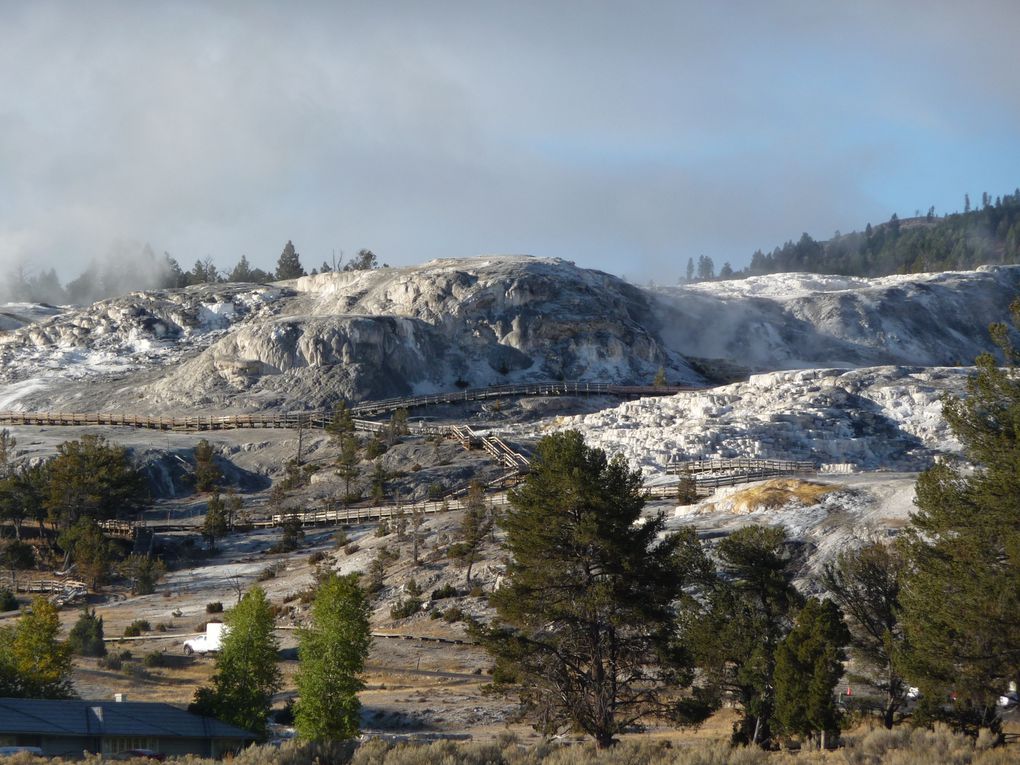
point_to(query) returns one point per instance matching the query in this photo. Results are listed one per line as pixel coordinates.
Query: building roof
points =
(80, 717)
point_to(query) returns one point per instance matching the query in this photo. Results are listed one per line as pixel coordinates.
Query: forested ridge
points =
(986, 234)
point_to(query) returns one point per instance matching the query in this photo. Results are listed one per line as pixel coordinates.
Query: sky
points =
(625, 136)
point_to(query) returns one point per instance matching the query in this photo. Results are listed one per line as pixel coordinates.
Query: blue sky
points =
(623, 136)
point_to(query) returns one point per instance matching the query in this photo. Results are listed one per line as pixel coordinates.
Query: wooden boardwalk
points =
(320, 419)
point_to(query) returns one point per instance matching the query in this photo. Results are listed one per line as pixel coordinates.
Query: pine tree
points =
(92, 478)
(347, 464)
(207, 472)
(86, 545)
(747, 612)
(289, 264)
(86, 636)
(215, 525)
(246, 674)
(961, 593)
(865, 583)
(474, 527)
(809, 663)
(331, 654)
(585, 616)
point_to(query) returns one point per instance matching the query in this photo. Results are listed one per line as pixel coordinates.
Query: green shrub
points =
(405, 608)
(7, 600)
(453, 614)
(316, 557)
(216, 607)
(137, 627)
(156, 659)
(86, 636)
(111, 662)
(446, 591)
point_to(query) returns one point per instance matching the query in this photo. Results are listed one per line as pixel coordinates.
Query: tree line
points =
(980, 235)
(124, 270)
(605, 620)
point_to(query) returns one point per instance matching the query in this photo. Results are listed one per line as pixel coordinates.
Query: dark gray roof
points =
(78, 717)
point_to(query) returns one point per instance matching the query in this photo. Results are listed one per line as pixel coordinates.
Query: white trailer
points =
(209, 642)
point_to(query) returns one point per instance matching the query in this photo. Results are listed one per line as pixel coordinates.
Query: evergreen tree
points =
(365, 260)
(331, 654)
(246, 673)
(207, 472)
(690, 269)
(85, 544)
(92, 478)
(379, 478)
(865, 583)
(809, 663)
(961, 592)
(745, 615)
(585, 615)
(86, 636)
(15, 556)
(241, 272)
(474, 527)
(341, 423)
(215, 525)
(143, 571)
(289, 264)
(347, 464)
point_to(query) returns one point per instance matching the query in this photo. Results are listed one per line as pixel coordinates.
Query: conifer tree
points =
(289, 264)
(585, 616)
(865, 583)
(86, 636)
(961, 593)
(809, 663)
(747, 612)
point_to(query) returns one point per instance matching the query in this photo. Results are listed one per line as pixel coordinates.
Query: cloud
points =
(626, 138)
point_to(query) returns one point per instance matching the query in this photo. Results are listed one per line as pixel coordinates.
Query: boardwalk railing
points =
(741, 465)
(320, 419)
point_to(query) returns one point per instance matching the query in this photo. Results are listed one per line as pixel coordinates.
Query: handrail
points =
(321, 418)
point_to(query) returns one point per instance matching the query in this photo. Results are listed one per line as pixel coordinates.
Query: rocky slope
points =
(889, 417)
(479, 321)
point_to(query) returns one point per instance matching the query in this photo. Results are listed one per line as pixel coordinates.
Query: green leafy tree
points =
(332, 652)
(474, 527)
(865, 583)
(289, 264)
(585, 616)
(91, 478)
(809, 663)
(246, 674)
(207, 472)
(745, 615)
(86, 636)
(143, 571)
(86, 545)
(34, 662)
(961, 592)
(215, 524)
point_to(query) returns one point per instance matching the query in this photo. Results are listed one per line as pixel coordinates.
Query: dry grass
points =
(902, 746)
(778, 492)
